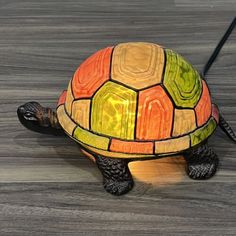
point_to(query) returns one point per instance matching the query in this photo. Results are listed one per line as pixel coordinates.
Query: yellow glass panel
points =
(172, 145)
(184, 121)
(80, 112)
(91, 139)
(69, 99)
(113, 111)
(137, 64)
(67, 124)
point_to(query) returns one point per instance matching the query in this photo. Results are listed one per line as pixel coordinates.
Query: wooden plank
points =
(47, 186)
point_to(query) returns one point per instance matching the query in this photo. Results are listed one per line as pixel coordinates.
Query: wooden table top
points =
(47, 186)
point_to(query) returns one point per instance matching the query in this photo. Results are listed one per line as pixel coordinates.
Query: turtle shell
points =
(137, 100)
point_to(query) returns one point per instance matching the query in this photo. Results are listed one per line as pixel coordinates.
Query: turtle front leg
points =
(202, 162)
(39, 119)
(117, 178)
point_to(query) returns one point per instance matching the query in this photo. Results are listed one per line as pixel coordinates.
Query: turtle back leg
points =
(202, 162)
(117, 178)
(39, 119)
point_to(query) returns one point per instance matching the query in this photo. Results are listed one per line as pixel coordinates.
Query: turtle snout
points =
(21, 110)
(25, 114)
(31, 116)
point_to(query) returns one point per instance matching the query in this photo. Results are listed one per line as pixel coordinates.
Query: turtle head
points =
(31, 115)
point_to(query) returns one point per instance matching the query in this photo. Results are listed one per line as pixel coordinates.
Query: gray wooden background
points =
(47, 187)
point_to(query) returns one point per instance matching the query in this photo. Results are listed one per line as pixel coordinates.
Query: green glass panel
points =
(181, 80)
(91, 139)
(203, 133)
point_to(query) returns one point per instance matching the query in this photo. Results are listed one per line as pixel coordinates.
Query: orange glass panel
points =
(137, 64)
(203, 108)
(215, 112)
(81, 112)
(92, 73)
(115, 154)
(184, 121)
(62, 98)
(131, 147)
(155, 114)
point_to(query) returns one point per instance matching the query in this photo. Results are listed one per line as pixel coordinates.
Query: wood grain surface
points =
(47, 186)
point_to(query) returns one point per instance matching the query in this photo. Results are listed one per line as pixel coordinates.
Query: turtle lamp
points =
(136, 101)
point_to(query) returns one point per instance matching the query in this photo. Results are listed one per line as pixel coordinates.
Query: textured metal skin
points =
(202, 162)
(117, 178)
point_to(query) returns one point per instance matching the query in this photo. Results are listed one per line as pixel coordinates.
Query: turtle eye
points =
(28, 114)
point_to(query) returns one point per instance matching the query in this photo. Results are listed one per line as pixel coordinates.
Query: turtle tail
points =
(224, 125)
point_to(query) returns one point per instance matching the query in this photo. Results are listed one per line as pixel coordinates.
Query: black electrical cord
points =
(224, 125)
(218, 48)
